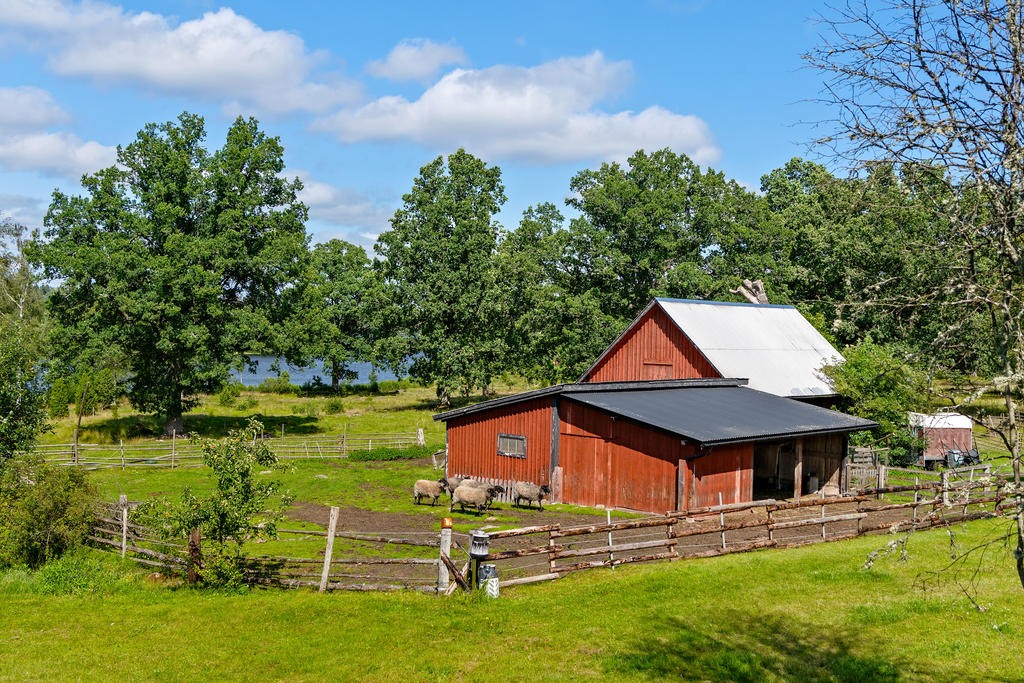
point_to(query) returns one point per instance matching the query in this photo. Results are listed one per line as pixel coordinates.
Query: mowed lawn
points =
(812, 613)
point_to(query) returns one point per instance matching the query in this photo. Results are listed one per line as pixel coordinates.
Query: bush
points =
(44, 511)
(333, 406)
(281, 384)
(248, 403)
(229, 394)
(410, 453)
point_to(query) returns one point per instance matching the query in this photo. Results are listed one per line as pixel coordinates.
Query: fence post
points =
(331, 528)
(122, 453)
(670, 532)
(823, 513)
(174, 441)
(420, 438)
(124, 524)
(917, 492)
(721, 518)
(611, 556)
(945, 488)
(768, 524)
(551, 544)
(879, 480)
(195, 556)
(442, 568)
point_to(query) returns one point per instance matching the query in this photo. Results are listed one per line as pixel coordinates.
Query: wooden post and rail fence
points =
(179, 452)
(549, 552)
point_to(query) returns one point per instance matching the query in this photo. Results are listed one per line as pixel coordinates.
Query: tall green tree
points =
(176, 257)
(333, 310)
(438, 265)
(22, 398)
(22, 298)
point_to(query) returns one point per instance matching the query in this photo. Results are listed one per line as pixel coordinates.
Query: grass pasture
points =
(810, 613)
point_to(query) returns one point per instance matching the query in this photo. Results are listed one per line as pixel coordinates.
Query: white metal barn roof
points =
(774, 346)
(941, 421)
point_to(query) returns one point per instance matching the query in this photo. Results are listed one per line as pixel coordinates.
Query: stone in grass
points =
(319, 476)
(266, 471)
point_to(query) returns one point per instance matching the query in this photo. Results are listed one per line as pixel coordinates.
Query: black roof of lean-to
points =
(713, 416)
(705, 411)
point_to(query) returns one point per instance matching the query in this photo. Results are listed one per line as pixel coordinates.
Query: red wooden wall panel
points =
(728, 470)
(654, 348)
(616, 463)
(473, 442)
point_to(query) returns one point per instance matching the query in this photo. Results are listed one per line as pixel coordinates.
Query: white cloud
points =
(416, 59)
(28, 108)
(58, 153)
(22, 209)
(342, 207)
(544, 114)
(221, 56)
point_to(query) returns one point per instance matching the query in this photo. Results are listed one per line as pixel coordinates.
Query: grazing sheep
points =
(455, 482)
(424, 488)
(530, 493)
(480, 498)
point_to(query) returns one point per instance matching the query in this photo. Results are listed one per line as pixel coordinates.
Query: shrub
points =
(44, 511)
(281, 384)
(58, 397)
(410, 453)
(229, 394)
(22, 398)
(248, 403)
(237, 510)
(333, 406)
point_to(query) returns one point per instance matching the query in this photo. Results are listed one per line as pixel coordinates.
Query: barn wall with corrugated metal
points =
(726, 470)
(473, 443)
(616, 463)
(654, 348)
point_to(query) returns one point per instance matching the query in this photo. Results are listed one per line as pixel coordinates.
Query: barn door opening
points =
(656, 369)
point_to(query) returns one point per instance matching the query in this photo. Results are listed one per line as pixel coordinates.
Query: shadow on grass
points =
(743, 647)
(211, 426)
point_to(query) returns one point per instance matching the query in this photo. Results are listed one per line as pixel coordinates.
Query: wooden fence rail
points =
(179, 452)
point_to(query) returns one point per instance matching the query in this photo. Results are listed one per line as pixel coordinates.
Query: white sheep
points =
(530, 493)
(424, 488)
(473, 496)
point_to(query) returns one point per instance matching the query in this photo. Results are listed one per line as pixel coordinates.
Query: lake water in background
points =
(300, 375)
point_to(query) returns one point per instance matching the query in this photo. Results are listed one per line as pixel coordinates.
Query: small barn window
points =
(512, 445)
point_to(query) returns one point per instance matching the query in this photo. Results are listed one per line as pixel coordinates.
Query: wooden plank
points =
(614, 526)
(756, 545)
(528, 579)
(523, 531)
(508, 554)
(731, 526)
(811, 521)
(457, 576)
(604, 550)
(563, 569)
(728, 507)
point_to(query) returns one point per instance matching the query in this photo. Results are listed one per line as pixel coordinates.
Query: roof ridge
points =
(720, 303)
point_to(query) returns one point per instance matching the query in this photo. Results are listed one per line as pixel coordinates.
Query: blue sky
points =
(363, 94)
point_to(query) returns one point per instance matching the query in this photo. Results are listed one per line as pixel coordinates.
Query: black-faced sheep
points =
(530, 492)
(424, 488)
(473, 496)
(453, 482)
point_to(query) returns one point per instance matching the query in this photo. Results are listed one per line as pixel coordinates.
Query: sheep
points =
(453, 482)
(424, 488)
(530, 492)
(473, 496)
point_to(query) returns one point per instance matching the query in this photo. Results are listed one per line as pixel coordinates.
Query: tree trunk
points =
(174, 423)
(335, 375)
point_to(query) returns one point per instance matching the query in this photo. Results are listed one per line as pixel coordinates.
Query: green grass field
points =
(803, 614)
(402, 410)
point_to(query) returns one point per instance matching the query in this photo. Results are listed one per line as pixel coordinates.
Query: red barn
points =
(658, 424)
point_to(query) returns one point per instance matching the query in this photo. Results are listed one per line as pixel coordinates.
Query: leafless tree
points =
(937, 84)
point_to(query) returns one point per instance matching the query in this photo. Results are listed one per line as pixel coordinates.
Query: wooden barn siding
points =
(940, 441)
(473, 443)
(728, 470)
(616, 463)
(654, 338)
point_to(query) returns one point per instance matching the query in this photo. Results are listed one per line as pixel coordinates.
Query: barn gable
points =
(775, 347)
(653, 347)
